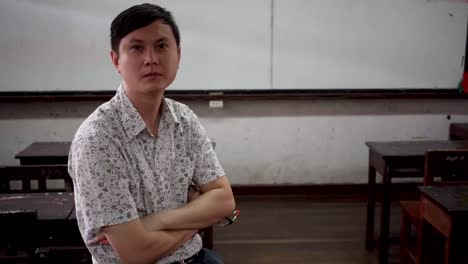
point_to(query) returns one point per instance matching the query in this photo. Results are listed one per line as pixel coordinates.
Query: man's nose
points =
(151, 57)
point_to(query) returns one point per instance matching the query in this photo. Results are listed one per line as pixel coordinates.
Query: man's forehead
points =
(155, 31)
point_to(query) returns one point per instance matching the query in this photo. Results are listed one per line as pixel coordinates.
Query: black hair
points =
(139, 16)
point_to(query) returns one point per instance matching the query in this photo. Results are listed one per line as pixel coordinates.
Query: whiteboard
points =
(54, 45)
(368, 44)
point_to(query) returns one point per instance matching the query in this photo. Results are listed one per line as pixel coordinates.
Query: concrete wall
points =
(270, 141)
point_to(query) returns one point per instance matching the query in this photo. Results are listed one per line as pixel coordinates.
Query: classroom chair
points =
(442, 168)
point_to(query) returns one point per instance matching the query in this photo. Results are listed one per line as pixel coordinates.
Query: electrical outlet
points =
(216, 104)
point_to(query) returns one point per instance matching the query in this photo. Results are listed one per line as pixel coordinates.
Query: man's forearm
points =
(165, 242)
(134, 244)
(206, 210)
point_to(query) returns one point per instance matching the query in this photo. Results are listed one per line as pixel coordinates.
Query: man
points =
(133, 159)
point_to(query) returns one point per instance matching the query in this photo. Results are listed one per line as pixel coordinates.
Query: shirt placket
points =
(163, 157)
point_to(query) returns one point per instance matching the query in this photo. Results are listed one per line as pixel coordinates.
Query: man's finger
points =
(97, 239)
(104, 242)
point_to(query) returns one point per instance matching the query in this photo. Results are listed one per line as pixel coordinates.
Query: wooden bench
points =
(34, 178)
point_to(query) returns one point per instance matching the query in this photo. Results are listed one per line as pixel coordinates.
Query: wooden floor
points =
(297, 229)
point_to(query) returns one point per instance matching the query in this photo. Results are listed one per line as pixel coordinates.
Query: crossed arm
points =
(215, 203)
(157, 235)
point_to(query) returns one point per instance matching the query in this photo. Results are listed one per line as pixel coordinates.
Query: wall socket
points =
(216, 104)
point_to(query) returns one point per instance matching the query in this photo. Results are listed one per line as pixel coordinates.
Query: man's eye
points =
(163, 46)
(136, 48)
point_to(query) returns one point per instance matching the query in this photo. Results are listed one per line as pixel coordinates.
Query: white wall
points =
(258, 141)
(266, 142)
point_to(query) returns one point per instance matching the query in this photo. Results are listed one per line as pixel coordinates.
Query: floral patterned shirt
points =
(121, 173)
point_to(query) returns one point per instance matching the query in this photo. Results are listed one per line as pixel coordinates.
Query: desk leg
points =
(423, 255)
(455, 247)
(370, 210)
(385, 218)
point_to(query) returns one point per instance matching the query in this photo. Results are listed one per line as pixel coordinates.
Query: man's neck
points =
(149, 107)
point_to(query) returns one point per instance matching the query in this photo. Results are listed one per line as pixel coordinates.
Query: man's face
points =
(148, 58)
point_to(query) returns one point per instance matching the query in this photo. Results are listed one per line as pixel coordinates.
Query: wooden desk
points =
(45, 153)
(458, 131)
(56, 218)
(40, 153)
(49, 206)
(445, 208)
(397, 159)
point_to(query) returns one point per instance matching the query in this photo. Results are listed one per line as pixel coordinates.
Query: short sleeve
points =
(101, 183)
(207, 166)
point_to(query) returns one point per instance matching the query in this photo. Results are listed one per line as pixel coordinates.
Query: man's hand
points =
(100, 239)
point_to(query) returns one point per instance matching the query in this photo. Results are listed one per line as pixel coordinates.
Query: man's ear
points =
(115, 59)
(178, 53)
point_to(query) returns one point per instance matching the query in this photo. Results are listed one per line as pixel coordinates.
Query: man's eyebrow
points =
(135, 40)
(162, 39)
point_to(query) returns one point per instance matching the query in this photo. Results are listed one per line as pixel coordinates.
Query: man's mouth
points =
(152, 74)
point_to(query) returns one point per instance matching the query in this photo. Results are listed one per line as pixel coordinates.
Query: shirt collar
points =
(131, 119)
